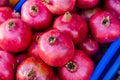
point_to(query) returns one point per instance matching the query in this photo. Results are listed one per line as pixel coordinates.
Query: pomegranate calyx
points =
(37, 38)
(34, 10)
(106, 21)
(71, 66)
(67, 16)
(46, 1)
(11, 25)
(51, 40)
(31, 74)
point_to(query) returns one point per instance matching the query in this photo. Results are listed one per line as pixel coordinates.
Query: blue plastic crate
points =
(109, 64)
(18, 6)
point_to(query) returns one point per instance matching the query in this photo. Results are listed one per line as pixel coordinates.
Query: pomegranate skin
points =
(80, 67)
(104, 27)
(73, 25)
(4, 3)
(34, 69)
(55, 48)
(59, 7)
(89, 45)
(33, 50)
(7, 66)
(21, 57)
(113, 6)
(15, 35)
(36, 15)
(85, 4)
(7, 13)
(87, 13)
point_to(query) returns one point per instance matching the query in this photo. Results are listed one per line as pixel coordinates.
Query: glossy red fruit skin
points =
(83, 67)
(33, 69)
(7, 66)
(59, 7)
(33, 50)
(105, 28)
(39, 18)
(87, 13)
(85, 4)
(89, 45)
(73, 25)
(1, 48)
(113, 7)
(15, 35)
(21, 57)
(55, 48)
(6, 13)
(4, 3)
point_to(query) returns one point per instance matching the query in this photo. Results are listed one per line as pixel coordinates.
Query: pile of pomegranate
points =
(56, 39)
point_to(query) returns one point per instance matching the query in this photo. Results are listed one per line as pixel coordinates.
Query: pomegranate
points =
(4, 3)
(79, 67)
(55, 48)
(21, 57)
(72, 25)
(33, 69)
(113, 6)
(104, 27)
(85, 4)
(7, 66)
(33, 50)
(36, 15)
(7, 13)
(89, 45)
(15, 35)
(87, 13)
(59, 7)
